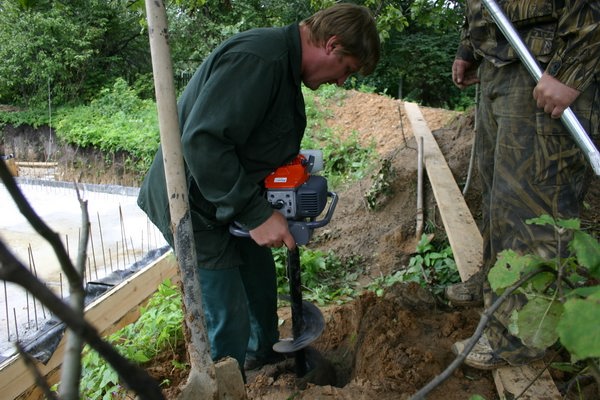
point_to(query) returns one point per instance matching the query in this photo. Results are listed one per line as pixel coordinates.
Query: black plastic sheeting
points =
(45, 343)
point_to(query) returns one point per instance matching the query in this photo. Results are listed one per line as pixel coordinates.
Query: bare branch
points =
(38, 224)
(39, 379)
(71, 369)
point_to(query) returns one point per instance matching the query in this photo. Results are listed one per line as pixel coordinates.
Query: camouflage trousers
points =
(529, 165)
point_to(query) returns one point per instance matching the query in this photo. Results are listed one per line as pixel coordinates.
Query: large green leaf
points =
(593, 292)
(537, 322)
(578, 328)
(502, 274)
(510, 267)
(573, 223)
(587, 250)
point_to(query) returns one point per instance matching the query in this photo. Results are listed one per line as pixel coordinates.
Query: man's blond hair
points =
(355, 28)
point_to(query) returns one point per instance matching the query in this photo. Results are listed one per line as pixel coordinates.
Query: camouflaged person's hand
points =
(554, 96)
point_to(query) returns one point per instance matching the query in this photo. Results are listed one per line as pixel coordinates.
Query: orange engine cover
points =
(289, 176)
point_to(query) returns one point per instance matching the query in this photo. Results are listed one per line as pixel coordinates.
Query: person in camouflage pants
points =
(528, 163)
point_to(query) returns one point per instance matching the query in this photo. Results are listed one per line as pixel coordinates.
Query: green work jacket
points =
(241, 116)
(563, 35)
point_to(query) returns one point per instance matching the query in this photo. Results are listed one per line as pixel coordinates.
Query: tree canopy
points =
(67, 51)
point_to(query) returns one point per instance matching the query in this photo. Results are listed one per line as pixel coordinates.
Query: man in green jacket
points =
(528, 162)
(241, 116)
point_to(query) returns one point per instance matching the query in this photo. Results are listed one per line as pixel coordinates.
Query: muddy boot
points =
(482, 356)
(252, 362)
(468, 293)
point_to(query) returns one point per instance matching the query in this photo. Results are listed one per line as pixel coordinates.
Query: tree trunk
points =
(202, 377)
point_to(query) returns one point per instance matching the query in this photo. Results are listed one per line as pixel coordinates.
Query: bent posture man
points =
(241, 116)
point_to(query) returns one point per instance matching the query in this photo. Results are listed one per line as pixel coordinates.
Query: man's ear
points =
(331, 44)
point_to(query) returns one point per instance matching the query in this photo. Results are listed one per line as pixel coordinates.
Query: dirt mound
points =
(385, 236)
(386, 347)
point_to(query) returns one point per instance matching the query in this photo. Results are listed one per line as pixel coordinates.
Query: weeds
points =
(326, 278)
(431, 267)
(158, 329)
(381, 185)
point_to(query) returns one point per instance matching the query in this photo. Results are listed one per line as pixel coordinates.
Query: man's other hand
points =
(464, 73)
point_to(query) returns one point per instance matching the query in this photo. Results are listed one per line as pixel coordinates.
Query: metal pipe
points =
(419, 228)
(568, 117)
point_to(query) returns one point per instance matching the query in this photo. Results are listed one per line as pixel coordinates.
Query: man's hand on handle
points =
(274, 232)
(553, 96)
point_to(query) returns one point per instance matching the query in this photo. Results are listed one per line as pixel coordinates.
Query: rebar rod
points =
(110, 258)
(101, 240)
(6, 307)
(132, 249)
(93, 251)
(36, 275)
(16, 325)
(124, 239)
(34, 302)
(27, 308)
(117, 255)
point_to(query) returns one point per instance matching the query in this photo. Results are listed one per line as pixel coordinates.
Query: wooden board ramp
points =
(110, 312)
(463, 234)
(467, 246)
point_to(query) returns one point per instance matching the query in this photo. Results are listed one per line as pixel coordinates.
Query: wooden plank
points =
(463, 234)
(107, 313)
(467, 247)
(36, 164)
(513, 381)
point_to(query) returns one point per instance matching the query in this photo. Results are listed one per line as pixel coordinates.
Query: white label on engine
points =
(282, 179)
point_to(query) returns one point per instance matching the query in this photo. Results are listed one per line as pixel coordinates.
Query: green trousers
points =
(240, 304)
(529, 165)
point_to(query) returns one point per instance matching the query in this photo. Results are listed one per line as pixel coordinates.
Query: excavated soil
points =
(391, 346)
(385, 347)
(378, 347)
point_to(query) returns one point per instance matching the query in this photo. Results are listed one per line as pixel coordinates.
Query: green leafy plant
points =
(116, 121)
(35, 117)
(159, 328)
(563, 294)
(432, 267)
(345, 158)
(380, 186)
(325, 277)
